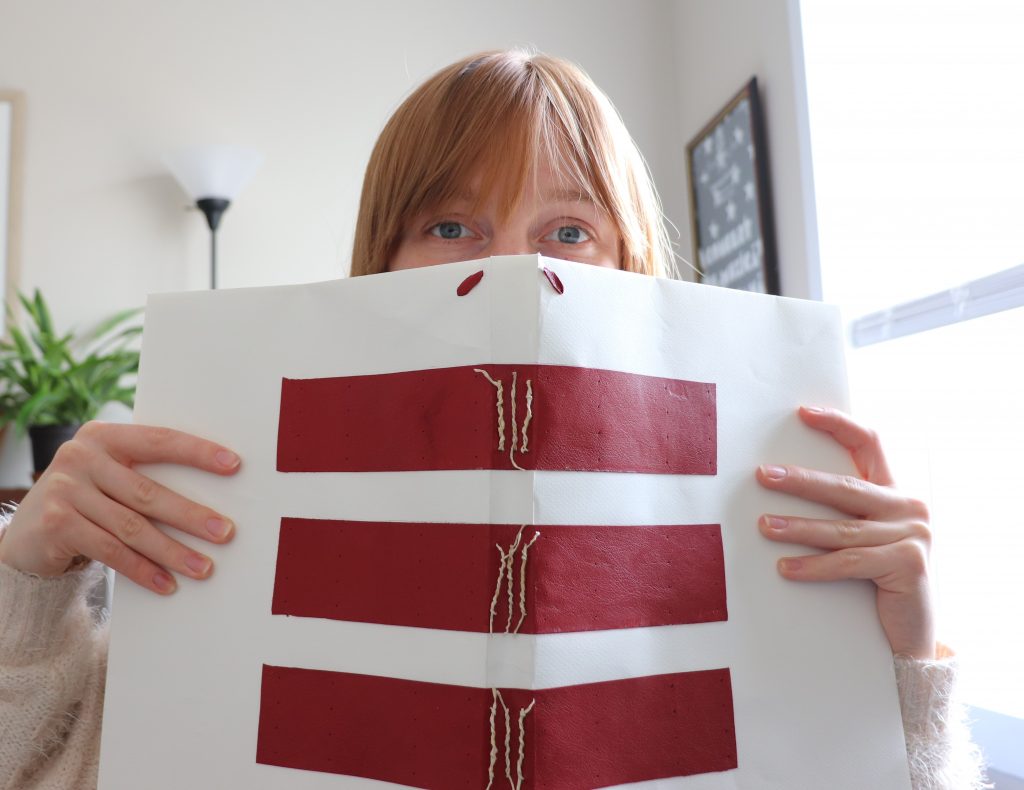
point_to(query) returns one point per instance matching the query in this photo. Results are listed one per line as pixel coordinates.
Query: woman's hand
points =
(91, 503)
(886, 537)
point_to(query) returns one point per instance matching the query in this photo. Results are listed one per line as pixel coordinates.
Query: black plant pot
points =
(45, 441)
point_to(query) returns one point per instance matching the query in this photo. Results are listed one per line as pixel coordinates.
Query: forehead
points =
(543, 183)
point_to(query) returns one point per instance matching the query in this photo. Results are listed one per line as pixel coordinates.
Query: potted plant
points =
(50, 384)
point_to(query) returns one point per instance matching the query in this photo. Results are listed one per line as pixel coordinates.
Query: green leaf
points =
(42, 381)
(109, 324)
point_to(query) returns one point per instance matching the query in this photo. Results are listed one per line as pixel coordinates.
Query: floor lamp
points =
(213, 175)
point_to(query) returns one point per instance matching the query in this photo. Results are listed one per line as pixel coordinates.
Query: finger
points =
(897, 567)
(102, 546)
(146, 444)
(143, 495)
(862, 443)
(847, 493)
(840, 533)
(139, 535)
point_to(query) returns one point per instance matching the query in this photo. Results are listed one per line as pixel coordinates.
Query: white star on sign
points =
(748, 190)
(734, 171)
(738, 134)
(730, 211)
(713, 230)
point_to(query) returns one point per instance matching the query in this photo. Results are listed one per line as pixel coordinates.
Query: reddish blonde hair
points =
(494, 116)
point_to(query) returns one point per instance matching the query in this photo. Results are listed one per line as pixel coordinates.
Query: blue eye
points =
(568, 234)
(450, 230)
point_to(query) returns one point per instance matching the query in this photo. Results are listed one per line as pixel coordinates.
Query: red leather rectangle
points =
(431, 735)
(540, 417)
(500, 577)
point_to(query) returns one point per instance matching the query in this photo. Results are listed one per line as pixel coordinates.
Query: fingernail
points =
(774, 522)
(774, 472)
(789, 566)
(814, 409)
(218, 527)
(197, 563)
(227, 459)
(163, 582)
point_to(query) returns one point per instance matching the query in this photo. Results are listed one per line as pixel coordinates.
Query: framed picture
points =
(11, 113)
(730, 200)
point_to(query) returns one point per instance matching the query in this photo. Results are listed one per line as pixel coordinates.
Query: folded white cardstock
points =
(814, 693)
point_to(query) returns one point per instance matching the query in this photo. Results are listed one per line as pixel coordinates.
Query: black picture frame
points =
(731, 219)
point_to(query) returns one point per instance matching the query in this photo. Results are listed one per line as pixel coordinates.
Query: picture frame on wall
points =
(731, 218)
(11, 124)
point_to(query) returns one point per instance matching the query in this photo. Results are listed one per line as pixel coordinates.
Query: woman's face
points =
(555, 221)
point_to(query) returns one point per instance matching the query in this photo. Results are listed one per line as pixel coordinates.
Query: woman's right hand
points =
(92, 503)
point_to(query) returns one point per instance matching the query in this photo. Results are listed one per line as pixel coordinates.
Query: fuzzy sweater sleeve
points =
(52, 670)
(939, 747)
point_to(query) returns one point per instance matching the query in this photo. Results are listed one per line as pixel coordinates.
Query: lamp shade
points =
(214, 171)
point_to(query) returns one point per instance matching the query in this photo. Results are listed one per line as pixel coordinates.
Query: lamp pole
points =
(212, 176)
(213, 209)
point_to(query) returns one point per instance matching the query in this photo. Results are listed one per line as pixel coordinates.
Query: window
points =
(916, 127)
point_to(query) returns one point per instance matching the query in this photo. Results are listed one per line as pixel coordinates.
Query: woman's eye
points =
(568, 234)
(450, 230)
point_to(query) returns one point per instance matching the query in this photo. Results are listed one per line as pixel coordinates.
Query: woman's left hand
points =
(885, 538)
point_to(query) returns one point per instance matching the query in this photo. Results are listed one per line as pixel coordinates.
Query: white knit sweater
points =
(53, 665)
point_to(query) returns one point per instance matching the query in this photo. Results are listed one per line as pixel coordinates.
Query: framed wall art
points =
(11, 119)
(730, 198)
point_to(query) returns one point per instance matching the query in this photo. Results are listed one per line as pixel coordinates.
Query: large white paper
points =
(814, 693)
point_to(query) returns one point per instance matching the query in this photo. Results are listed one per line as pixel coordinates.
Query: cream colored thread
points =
(529, 415)
(497, 589)
(522, 581)
(494, 740)
(510, 561)
(500, 387)
(522, 743)
(508, 734)
(515, 437)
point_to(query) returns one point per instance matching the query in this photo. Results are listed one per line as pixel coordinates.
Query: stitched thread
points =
(515, 437)
(498, 699)
(497, 587)
(505, 562)
(529, 415)
(510, 561)
(508, 734)
(500, 402)
(522, 743)
(494, 740)
(522, 581)
(517, 431)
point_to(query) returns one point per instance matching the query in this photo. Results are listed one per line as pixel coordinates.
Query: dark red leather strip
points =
(469, 283)
(439, 736)
(543, 417)
(578, 578)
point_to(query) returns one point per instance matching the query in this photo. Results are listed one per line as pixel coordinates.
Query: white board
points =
(814, 694)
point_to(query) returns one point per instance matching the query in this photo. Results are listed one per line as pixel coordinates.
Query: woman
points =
(497, 154)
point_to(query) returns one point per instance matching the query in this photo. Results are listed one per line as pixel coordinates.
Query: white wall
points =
(719, 46)
(111, 85)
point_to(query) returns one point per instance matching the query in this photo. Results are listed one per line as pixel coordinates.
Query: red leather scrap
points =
(469, 283)
(446, 576)
(440, 736)
(537, 417)
(555, 281)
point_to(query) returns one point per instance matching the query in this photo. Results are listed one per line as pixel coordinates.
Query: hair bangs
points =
(494, 143)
